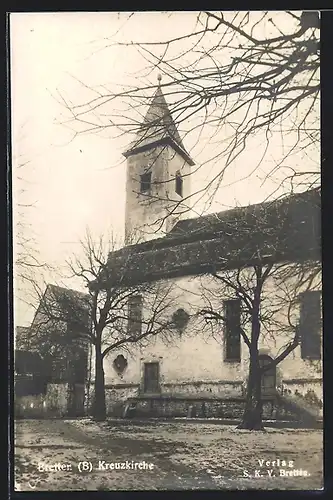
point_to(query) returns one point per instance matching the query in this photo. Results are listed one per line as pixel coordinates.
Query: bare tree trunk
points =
(252, 417)
(99, 407)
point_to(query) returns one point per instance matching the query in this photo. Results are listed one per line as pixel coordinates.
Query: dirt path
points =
(52, 442)
(183, 456)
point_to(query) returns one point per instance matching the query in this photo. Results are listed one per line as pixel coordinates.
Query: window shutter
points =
(310, 324)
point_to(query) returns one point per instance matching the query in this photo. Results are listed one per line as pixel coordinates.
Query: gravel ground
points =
(172, 455)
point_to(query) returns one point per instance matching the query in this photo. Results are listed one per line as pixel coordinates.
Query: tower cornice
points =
(158, 128)
(164, 141)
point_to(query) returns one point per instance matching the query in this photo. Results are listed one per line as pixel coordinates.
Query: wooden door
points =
(151, 378)
(268, 380)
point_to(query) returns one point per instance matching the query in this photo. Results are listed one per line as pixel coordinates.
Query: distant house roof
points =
(284, 229)
(297, 208)
(63, 304)
(62, 292)
(158, 127)
(27, 362)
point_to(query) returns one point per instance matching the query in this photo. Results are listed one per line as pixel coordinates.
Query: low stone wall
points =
(200, 399)
(117, 395)
(51, 404)
(33, 406)
(188, 407)
(115, 398)
(204, 407)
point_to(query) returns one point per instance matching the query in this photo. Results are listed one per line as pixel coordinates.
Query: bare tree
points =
(267, 285)
(27, 261)
(106, 317)
(234, 76)
(27, 258)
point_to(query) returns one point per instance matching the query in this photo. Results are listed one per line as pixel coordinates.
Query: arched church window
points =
(179, 184)
(134, 315)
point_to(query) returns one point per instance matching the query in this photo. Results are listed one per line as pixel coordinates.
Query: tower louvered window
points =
(179, 184)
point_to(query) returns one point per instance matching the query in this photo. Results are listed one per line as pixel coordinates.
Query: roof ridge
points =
(66, 289)
(180, 230)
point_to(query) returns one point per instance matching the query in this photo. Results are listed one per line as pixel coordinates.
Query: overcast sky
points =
(79, 183)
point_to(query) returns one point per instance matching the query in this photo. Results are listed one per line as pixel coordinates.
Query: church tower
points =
(158, 175)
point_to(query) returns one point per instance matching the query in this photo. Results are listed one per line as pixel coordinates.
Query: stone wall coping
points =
(185, 397)
(195, 397)
(195, 383)
(204, 382)
(120, 386)
(302, 381)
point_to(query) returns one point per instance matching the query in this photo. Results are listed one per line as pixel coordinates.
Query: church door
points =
(151, 378)
(268, 380)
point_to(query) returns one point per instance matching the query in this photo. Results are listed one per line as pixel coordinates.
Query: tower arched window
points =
(179, 184)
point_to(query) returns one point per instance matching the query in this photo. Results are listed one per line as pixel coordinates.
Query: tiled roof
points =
(296, 208)
(284, 229)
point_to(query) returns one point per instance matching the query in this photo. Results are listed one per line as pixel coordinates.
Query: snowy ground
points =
(184, 455)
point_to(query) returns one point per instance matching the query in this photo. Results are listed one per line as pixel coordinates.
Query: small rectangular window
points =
(145, 182)
(232, 341)
(310, 324)
(179, 184)
(134, 315)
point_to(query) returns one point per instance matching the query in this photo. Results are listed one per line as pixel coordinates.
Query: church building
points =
(202, 369)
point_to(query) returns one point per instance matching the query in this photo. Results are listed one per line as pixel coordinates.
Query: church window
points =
(180, 319)
(134, 315)
(310, 324)
(179, 184)
(232, 341)
(145, 182)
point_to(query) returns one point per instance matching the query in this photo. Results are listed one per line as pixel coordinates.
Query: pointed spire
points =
(158, 127)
